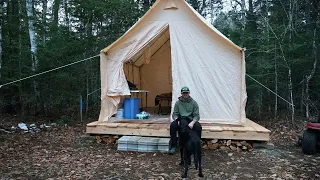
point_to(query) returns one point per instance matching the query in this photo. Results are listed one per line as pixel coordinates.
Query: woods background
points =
(282, 39)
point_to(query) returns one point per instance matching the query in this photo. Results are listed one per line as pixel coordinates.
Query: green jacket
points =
(186, 107)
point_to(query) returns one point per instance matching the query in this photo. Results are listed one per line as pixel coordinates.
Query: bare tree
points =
(32, 34)
(290, 84)
(311, 27)
(292, 3)
(33, 43)
(308, 77)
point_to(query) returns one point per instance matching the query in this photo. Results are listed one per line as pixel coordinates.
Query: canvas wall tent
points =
(172, 46)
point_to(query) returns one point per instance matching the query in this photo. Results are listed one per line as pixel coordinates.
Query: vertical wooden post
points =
(81, 108)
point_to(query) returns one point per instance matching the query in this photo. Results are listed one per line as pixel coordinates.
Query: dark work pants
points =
(174, 127)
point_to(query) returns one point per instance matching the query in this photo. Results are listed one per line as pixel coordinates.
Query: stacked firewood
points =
(107, 139)
(227, 144)
(206, 144)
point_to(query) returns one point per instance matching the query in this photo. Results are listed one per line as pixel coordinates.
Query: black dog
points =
(189, 144)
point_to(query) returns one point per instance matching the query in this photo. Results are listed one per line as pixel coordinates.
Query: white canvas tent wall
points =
(172, 33)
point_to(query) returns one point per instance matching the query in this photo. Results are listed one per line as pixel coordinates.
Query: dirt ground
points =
(58, 153)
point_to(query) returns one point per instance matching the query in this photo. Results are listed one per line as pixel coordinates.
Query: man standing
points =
(187, 108)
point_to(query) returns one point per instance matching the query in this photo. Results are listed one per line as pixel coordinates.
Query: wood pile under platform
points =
(251, 131)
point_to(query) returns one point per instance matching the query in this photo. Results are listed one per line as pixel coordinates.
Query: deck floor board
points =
(249, 131)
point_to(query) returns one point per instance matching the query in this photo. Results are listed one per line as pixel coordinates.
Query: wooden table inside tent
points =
(163, 97)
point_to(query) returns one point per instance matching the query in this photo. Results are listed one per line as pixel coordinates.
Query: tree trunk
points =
(312, 18)
(46, 87)
(302, 104)
(250, 6)
(33, 44)
(290, 80)
(211, 12)
(32, 35)
(260, 103)
(289, 69)
(66, 13)
(242, 21)
(56, 7)
(89, 26)
(87, 97)
(44, 20)
(243, 13)
(89, 49)
(307, 103)
(289, 83)
(21, 99)
(307, 14)
(276, 85)
(308, 78)
(1, 23)
(291, 95)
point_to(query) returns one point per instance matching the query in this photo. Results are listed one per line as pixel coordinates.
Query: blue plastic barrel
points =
(131, 107)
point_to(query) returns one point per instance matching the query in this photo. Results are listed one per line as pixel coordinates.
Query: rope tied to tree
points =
(270, 90)
(2, 85)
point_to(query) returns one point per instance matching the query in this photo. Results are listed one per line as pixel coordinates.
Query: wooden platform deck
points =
(251, 131)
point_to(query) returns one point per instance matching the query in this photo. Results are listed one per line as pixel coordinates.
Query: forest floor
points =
(58, 153)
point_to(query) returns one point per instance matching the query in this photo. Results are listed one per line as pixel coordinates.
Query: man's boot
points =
(172, 150)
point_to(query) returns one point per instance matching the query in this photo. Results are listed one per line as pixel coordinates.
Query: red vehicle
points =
(310, 139)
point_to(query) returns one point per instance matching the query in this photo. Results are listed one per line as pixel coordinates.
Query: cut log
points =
(243, 143)
(248, 145)
(98, 138)
(238, 149)
(105, 139)
(214, 141)
(233, 148)
(228, 142)
(234, 142)
(223, 147)
(213, 146)
(112, 140)
(205, 147)
(224, 142)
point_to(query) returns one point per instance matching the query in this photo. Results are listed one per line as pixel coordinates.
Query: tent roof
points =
(152, 49)
(170, 5)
